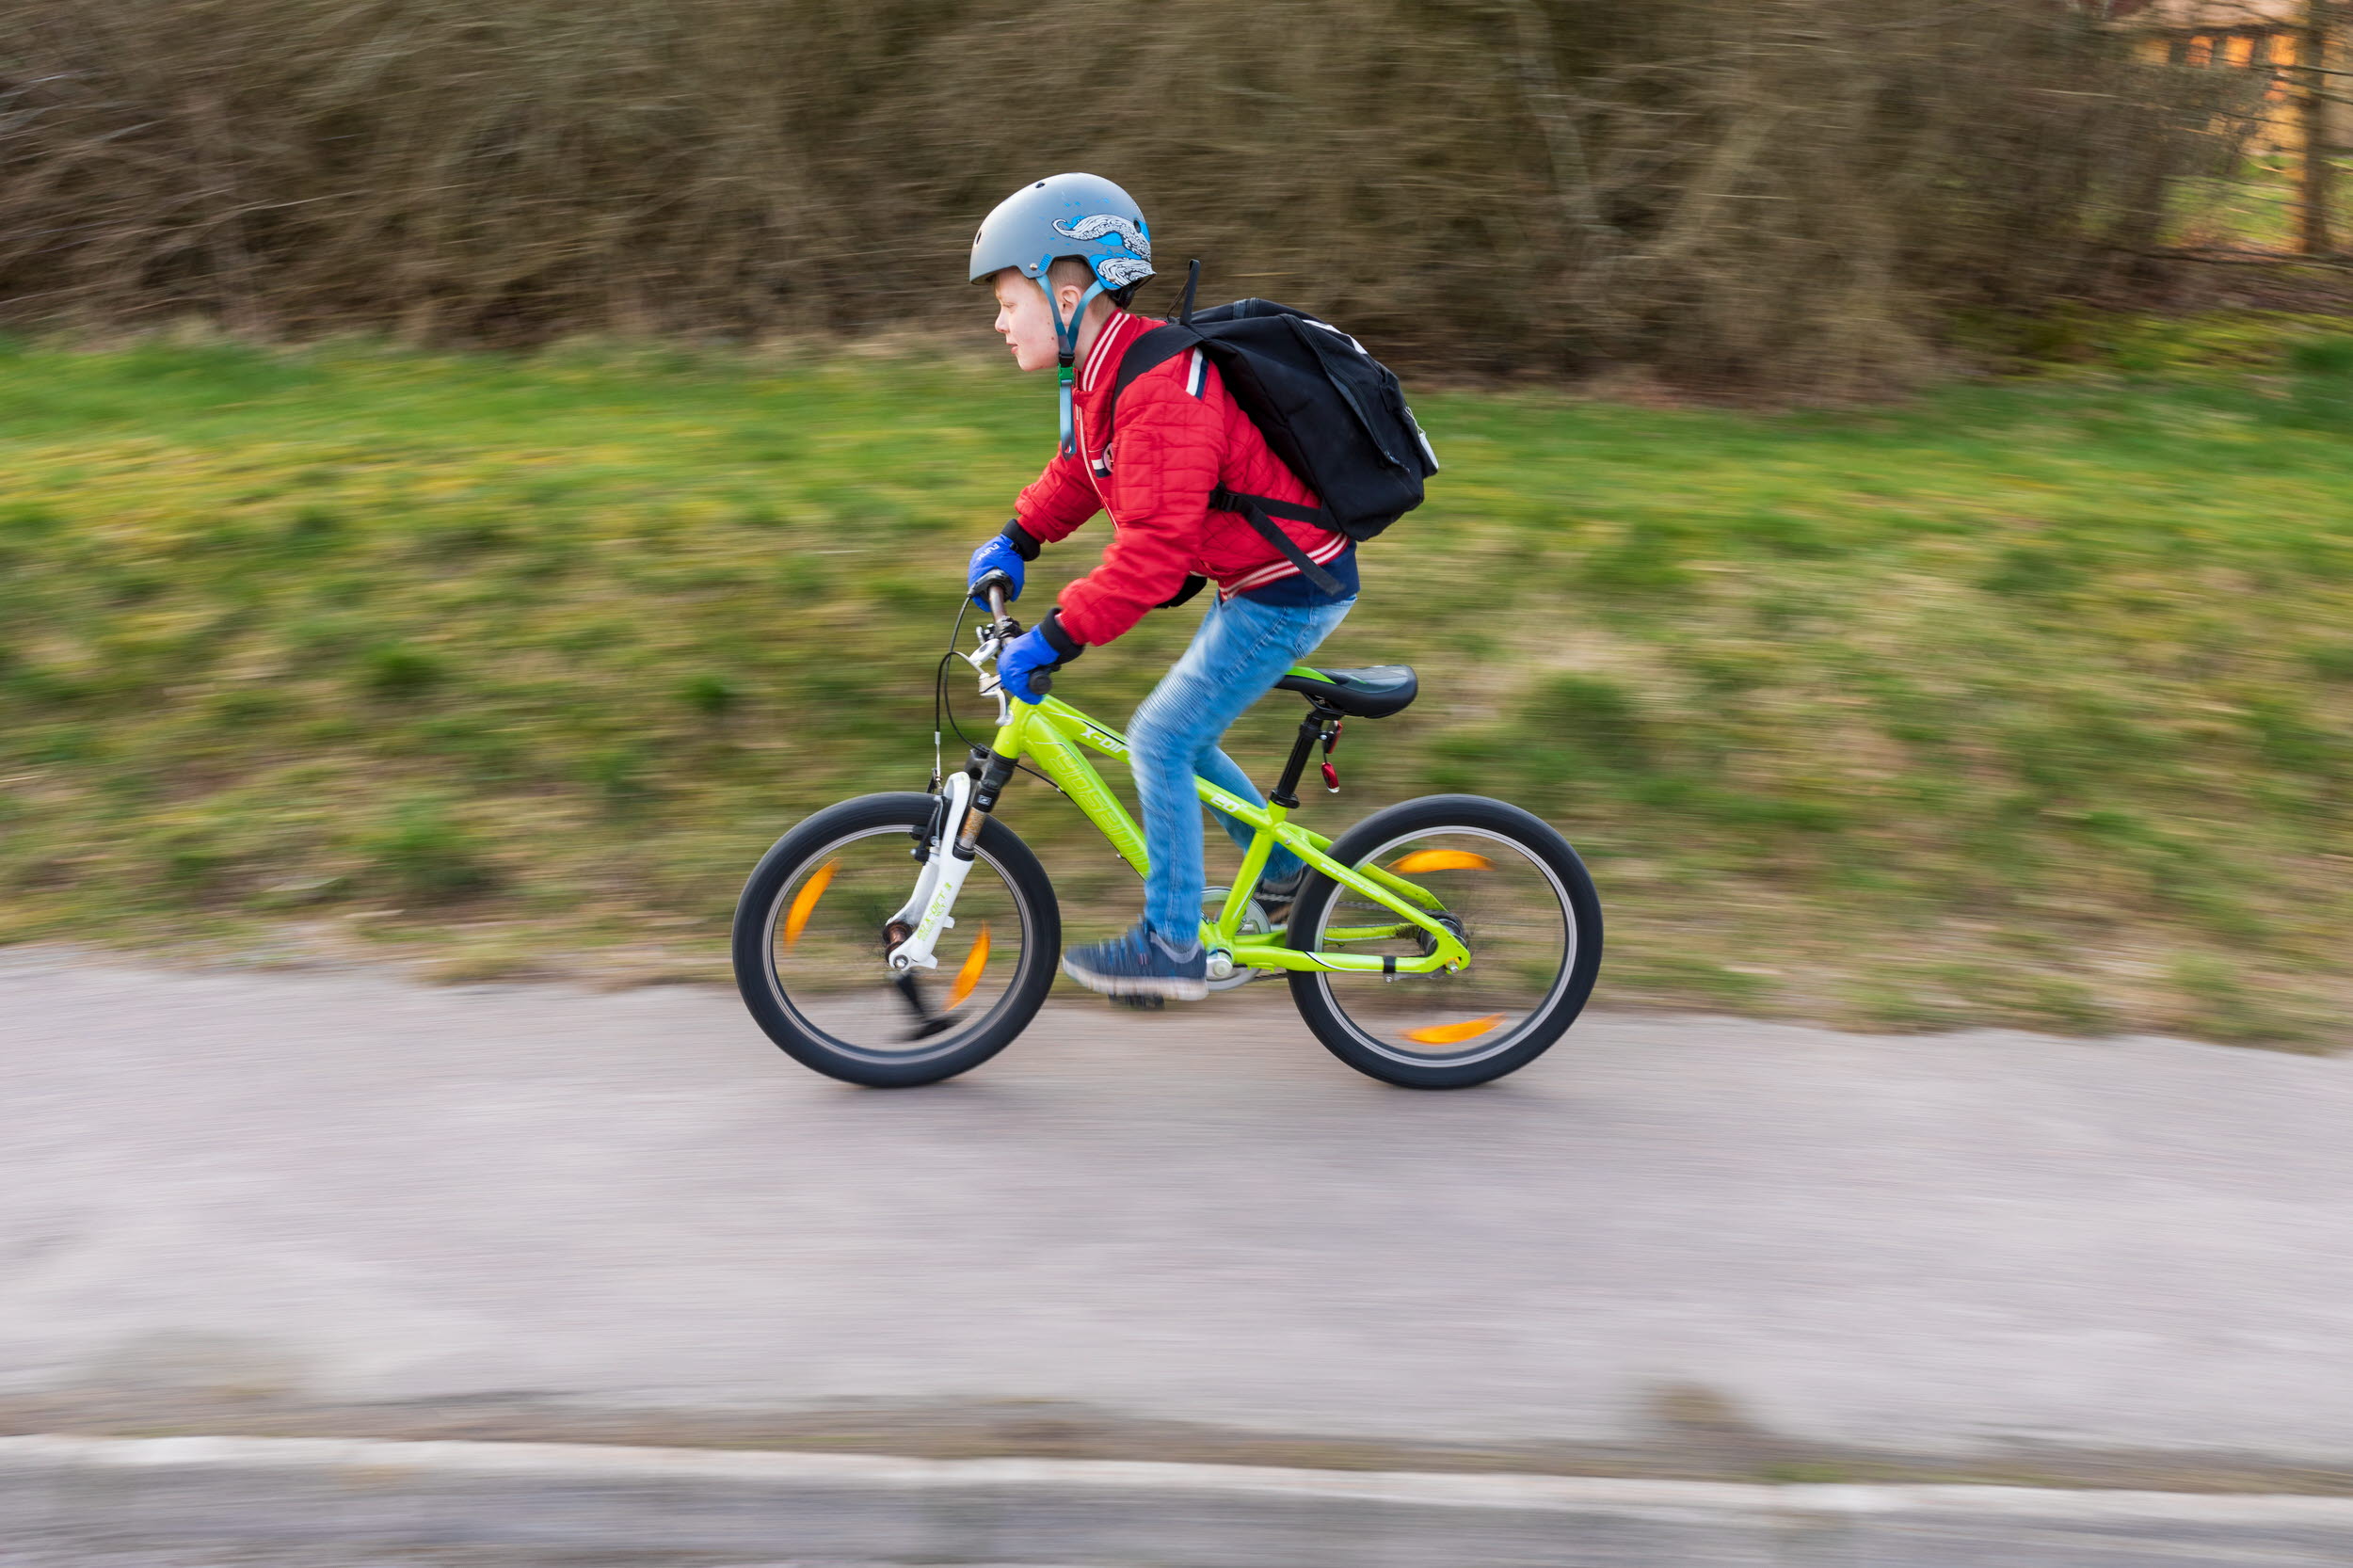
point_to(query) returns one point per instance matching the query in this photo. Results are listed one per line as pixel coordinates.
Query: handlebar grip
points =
(1041, 683)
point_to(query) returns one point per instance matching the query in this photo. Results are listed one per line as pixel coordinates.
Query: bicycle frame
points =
(1050, 734)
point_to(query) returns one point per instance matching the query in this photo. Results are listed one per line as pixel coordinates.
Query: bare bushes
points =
(1792, 193)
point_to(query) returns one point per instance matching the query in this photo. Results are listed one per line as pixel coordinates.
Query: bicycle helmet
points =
(1083, 216)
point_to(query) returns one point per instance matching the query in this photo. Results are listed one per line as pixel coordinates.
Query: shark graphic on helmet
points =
(1117, 272)
(1096, 226)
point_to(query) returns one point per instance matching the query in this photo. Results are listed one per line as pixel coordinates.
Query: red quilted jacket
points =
(1179, 436)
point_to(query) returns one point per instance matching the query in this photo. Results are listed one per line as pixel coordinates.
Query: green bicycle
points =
(1439, 943)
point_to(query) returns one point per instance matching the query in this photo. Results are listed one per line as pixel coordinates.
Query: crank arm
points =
(927, 1023)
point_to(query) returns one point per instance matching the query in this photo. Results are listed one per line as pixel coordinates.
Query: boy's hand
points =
(1027, 655)
(997, 555)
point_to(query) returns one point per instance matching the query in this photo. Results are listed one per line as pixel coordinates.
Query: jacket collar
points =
(1103, 356)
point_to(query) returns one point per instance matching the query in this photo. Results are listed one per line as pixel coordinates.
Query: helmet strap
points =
(1069, 422)
(1066, 346)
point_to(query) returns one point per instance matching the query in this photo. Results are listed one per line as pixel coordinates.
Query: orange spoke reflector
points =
(970, 975)
(1454, 1035)
(1443, 860)
(806, 900)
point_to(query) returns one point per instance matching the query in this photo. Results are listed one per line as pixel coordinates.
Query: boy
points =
(1064, 256)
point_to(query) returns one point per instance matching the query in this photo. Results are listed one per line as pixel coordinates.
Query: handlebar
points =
(994, 586)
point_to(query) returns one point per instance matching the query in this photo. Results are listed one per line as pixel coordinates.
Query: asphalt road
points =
(314, 1555)
(280, 1191)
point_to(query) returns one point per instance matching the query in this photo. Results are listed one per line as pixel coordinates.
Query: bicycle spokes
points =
(833, 933)
(1505, 904)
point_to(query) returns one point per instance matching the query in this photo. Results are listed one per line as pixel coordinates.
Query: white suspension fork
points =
(935, 889)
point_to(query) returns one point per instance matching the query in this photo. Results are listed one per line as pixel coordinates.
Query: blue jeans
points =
(1240, 651)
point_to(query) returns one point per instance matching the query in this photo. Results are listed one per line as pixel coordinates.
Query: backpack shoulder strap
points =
(1253, 509)
(1156, 347)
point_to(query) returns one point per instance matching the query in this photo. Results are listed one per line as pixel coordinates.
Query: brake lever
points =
(1002, 630)
(981, 659)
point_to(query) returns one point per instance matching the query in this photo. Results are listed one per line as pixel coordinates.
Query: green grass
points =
(2028, 703)
(2258, 205)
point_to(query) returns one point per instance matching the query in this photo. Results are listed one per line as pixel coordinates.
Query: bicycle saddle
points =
(1374, 692)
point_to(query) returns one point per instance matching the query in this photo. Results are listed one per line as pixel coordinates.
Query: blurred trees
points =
(1796, 194)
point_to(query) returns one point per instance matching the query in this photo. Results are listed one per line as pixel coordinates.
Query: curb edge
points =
(860, 1508)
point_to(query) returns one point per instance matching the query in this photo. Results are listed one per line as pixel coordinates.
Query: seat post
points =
(1310, 730)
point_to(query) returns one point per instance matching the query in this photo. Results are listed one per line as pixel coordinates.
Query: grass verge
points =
(2027, 703)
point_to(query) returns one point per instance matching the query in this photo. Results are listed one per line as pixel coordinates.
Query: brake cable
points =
(939, 693)
(941, 703)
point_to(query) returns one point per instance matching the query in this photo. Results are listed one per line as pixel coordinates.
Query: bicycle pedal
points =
(1139, 1004)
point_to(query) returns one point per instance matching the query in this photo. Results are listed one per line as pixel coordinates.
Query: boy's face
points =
(1023, 320)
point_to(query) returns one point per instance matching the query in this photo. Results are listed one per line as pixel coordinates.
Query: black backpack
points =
(1332, 412)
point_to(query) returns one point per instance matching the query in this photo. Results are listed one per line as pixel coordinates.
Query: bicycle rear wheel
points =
(1514, 891)
(810, 942)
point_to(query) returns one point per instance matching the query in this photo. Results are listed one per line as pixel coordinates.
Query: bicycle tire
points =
(1312, 991)
(765, 994)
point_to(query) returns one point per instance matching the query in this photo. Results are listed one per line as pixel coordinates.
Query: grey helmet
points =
(1069, 215)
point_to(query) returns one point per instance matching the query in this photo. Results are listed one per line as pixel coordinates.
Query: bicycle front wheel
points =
(1508, 886)
(812, 934)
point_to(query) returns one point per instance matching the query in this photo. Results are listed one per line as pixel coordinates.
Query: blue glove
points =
(1023, 657)
(998, 555)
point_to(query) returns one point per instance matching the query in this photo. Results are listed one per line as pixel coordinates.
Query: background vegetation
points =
(1781, 193)
(2026, 702)
(2023, 702)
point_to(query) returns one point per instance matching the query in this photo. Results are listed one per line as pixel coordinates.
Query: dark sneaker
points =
(1276, 898)
(1139, 964)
